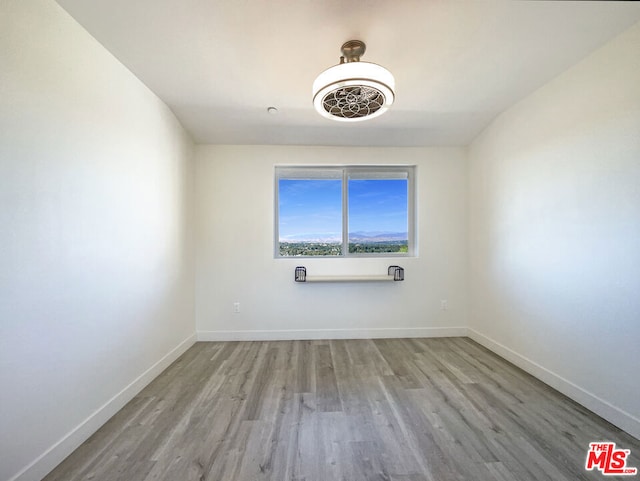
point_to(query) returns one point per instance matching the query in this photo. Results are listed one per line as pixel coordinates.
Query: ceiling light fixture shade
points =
(353, 90)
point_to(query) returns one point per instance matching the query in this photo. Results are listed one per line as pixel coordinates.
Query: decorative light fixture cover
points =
(353, 90)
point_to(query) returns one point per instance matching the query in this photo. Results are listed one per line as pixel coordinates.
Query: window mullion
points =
(276, 217)
(411, 213)
(345, 212)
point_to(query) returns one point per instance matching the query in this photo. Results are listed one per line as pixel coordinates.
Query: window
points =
(344, 211)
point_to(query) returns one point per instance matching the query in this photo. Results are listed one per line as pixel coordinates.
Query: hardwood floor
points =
(390, 410)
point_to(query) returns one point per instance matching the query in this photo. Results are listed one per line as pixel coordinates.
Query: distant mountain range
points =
(362, 237)
(378, 236)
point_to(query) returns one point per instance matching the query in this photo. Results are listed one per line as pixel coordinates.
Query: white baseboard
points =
(53, 456)
(602, 408)
(307, 334)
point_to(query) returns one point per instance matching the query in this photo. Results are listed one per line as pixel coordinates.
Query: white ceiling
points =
(220, 63)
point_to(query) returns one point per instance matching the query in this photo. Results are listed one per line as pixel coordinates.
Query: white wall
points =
(554, 237)
(96, 270)
(235, 251)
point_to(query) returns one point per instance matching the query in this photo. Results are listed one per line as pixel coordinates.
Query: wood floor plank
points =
(441, 409)
(395, 354)
(304, 366)
(327, 395)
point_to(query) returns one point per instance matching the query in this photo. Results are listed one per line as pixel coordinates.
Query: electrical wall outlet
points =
(444, 305)
(236, 307)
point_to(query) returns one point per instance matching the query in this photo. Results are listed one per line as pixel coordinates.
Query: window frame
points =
(408, 170)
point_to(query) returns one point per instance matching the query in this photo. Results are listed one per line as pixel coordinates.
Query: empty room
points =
(344, 240)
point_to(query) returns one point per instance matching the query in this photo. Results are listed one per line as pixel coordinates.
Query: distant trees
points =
(292, 249)
(289, 249)
(382, 247)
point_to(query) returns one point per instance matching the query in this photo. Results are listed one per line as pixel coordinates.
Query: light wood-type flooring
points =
(387, 410)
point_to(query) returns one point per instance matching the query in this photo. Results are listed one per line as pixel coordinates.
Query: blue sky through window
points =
(378, 207)
(311, 210)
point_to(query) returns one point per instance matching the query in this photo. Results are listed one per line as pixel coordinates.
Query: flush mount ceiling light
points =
(353, 90)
